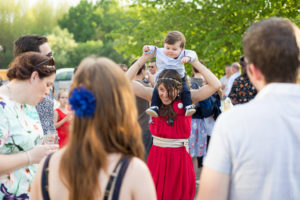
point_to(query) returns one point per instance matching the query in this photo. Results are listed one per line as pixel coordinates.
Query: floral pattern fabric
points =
(197, 140)
(242, 90)
(18, 133)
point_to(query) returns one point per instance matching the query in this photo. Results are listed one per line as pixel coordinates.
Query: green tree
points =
(213, 28)
(62, 44)
(18, 18)
(81, 21)
(88, 21)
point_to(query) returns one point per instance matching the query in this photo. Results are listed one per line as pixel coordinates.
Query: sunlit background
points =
(119, 29)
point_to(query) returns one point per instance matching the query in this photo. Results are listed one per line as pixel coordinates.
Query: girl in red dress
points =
(169, 160)
(62, 118)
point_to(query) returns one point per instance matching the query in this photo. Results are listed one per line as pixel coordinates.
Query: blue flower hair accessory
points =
(83, 102)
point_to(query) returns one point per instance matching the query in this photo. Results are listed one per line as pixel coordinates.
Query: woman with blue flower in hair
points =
(169, 161)
(103, 157)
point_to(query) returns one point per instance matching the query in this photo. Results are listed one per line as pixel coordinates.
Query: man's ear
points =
(256, 77)
(255, 72)
(34, 76)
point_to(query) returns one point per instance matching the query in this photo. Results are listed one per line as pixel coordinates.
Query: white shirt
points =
(230, 82)
(224, 80)
(258, 145)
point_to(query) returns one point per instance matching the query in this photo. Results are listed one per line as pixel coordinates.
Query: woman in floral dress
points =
(30, 74)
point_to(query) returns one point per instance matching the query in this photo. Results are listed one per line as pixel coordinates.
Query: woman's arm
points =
(213, 84)
(57, 123)
(133, 69)
(11, 162)
(142, 91)
(138, 89)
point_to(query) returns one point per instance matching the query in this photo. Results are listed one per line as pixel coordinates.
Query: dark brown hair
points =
(141, 69)
(28, 43)
(175, 36)
(172, 82)
(271, 45)
(243, 66)
(24, 65)
(113, 128)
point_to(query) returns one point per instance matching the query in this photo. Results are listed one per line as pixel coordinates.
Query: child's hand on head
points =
(146, 48)
(185, 59)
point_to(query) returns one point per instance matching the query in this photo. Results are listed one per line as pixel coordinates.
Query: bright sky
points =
(71, 2)
(57, 2)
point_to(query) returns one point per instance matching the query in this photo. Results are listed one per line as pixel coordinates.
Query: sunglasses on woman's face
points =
(49, 61)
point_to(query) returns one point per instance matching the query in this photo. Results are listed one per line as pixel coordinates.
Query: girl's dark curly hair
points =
(173, 84)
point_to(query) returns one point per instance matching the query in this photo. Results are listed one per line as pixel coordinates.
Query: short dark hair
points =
(28, 43)
(271, 45)
(243, 65)
(175, 36)
(141, 69)
(195, 70)
(25, 64)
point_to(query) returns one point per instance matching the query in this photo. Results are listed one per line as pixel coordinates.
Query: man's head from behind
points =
(35, 43)
(272, 46)
(235, 67)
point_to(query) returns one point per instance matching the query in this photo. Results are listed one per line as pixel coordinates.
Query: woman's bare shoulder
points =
(139, 180)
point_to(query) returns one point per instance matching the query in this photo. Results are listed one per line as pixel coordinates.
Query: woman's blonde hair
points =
(113, 128)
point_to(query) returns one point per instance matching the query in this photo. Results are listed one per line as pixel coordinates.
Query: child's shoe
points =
(189, 110)
(152, 111)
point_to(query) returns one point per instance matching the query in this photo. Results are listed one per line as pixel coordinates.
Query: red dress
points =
(172, 168)
(63, 130)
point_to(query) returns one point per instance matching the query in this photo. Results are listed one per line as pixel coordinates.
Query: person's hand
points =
(185, 59)
(40, 151)
(69, 117)
(147, 56)
(146, 48)
(195, 60)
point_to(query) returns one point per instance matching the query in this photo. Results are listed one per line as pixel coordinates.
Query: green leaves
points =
(213, 28)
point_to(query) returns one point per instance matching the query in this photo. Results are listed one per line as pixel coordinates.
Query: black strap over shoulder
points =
(113, 185)
(116, 178)
(117, 189)
(45, 173)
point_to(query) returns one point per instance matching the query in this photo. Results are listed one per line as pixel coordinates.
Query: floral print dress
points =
(18, 133)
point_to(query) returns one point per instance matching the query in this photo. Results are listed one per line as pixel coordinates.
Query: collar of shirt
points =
(279, 89)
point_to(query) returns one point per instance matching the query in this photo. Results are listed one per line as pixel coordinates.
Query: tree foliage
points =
(18, 18)
(62, 44)
(88, 21)
(213, 28)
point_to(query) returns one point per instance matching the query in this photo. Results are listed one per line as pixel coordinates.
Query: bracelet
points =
(29, 157)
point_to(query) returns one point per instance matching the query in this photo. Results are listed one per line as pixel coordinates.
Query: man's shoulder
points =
(244, 114)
